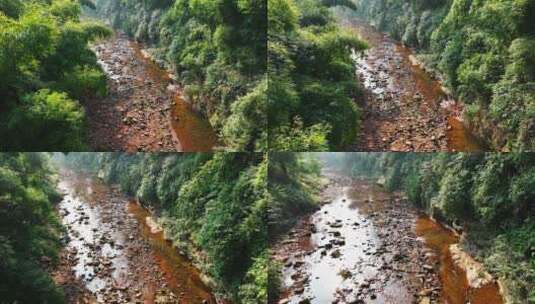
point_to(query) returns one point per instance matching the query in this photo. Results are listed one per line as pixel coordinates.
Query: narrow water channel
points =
(116, 256)
(370, 246)
(179, 273)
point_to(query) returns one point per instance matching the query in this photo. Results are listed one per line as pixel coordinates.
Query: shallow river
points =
(369, 246)
(115, 254)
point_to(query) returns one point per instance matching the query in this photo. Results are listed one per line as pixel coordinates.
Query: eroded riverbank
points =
(144, 110)
(370, 246)
(404, 108)
(111, 254)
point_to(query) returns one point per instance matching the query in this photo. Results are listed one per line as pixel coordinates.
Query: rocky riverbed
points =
(404, 108)
(363, 246)
(112, 256)
(144, 110)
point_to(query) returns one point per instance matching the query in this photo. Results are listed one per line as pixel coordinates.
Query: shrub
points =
(83, 82)
(47, 120)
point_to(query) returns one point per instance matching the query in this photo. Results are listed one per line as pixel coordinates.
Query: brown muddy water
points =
(370, 246)
(173, 265)
(113, 252)
(453, 278)
(405, 109)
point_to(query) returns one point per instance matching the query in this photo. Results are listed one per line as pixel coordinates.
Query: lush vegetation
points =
(218, 49)
(489, 195)
(212, 203)
(46, 69)
(312, 83)
(483, 50)
(29, 229)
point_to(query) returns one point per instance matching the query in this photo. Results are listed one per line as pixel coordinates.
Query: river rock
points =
(154, 227)
(475, 272)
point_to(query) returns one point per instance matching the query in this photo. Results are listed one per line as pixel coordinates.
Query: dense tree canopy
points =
(46, 68)
(29, 229)
(293, 188)
(312, 82)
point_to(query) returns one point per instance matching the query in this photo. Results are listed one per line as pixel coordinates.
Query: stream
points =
(144, 109)
(365, 245)
(405, 109)
(112, 255)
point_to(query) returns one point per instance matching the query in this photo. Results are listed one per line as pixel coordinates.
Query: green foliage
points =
(411, 22)
(43, 46)
(242, 129)
(296, 138)
(312, 80)
(29, 229)
(293, 189)
(256, 291)
(47, 119)
(274, 273)
(453, 198)
(11, 8)
(82, 82)
(413, 188)
(212, 203)
(510, 255)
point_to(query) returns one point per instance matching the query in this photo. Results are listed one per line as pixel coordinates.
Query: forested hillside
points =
(218, 50)
(483, 52)
(212, 205)
(312, 82)
(29, 230)
(489, 195)
(46, 72)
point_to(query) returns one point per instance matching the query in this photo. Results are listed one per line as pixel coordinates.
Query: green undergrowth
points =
(294, 187)
(313, 88)
(47, 70)
(30, 230)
